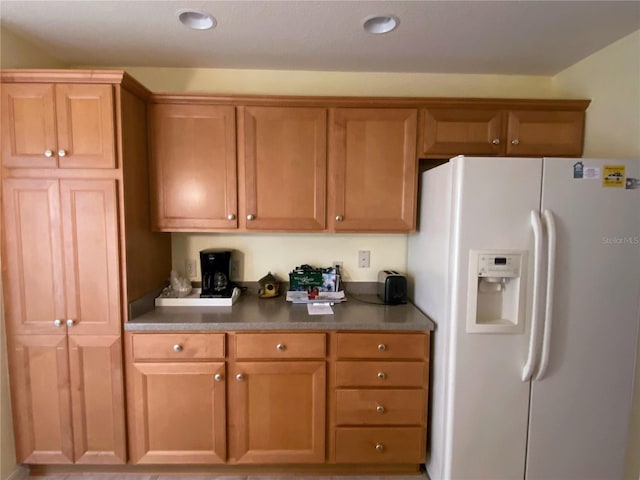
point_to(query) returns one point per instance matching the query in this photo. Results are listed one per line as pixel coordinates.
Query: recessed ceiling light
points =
(380, 24)
(196, 20)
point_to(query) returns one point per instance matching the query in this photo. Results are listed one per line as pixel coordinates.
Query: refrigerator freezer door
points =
(487, 408)
(580, 409)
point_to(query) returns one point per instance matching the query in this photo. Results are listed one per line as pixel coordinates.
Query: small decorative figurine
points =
(269, 286)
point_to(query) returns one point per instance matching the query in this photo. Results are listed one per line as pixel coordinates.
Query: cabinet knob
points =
(231, 216)
(379, 447)
(217, 377)
(339, 218)
(240, 377)
(380, 409)
(70, 322)
(515, 141)
(496, 141)
(381, 375)
(48, 153)
(62, 153)
(382, 347)
(57, 322)
(281, 346)
(250, 217)
(177, 347)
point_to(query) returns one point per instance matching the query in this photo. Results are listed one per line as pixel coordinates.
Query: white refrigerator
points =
(530, 268)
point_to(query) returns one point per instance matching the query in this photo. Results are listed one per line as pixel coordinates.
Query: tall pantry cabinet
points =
(77, 248)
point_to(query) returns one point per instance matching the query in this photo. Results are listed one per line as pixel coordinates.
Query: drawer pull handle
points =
(379, 447)
(48, 153)
(240, 377)
(281, 346)
(515, 141)
(380, 409)
(217, 377)
(382, 347)
(57, 322)
(62, 153)
(381, 375)
(177, 348)
(71, 322)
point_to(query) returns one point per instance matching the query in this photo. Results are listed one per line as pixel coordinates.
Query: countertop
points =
(253, 313)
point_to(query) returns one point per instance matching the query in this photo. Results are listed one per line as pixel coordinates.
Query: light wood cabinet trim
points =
(279, 345)
(161, 346)
(97, 397)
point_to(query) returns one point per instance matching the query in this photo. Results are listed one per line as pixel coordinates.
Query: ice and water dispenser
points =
(496, 294)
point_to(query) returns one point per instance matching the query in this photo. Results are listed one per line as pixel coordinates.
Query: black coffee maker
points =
(215, 266)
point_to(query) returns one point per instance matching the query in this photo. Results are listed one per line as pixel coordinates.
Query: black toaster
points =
(392, 287)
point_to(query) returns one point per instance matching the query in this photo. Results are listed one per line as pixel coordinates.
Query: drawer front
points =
(380, 407)
(382, 345)
(178, 346)
(381, 374)
(380, 445)
(280, 345)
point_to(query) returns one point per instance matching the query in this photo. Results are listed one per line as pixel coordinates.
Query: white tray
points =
(194, 300)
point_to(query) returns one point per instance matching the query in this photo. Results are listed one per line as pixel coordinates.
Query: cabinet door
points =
(193, 167)
(33, 281)
(545, 133)
(92, 267)
(97, 397)
(41, 399)
(179, 413)
(447, 132)
(28, 126)
(284, 155)
(85, 121)
(373, 169)
(277, 412)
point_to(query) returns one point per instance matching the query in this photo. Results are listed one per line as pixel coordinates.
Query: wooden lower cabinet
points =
(179, 411)
(277, 412)
(68, 399)
(279, 399)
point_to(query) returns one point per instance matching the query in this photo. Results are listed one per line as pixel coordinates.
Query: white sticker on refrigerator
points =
(591, 173)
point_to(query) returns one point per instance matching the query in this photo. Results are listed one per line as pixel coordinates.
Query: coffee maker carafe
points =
(215, 266)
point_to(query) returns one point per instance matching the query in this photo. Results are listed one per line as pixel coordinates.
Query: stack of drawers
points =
(379, 397)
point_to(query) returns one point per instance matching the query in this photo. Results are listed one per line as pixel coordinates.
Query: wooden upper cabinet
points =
(372, 169)
(58, 126)
(547, 130)
(62, 261)
(462, 130)
(545, 133)
(283, 155)
(193, 167)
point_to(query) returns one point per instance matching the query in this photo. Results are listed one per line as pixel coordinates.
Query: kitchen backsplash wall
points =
(279, 253)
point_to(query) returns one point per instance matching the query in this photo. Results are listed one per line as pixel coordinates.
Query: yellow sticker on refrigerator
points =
(613, 176)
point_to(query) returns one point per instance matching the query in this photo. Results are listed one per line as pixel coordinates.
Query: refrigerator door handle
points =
(548, 313)
(536, 225)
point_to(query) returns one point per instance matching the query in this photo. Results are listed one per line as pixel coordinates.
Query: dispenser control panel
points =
(490, 265)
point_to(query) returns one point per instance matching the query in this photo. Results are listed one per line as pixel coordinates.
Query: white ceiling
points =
(505, 37)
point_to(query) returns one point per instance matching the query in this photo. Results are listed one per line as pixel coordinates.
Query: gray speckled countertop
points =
(253, 313)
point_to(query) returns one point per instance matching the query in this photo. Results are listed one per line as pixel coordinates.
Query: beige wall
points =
(611, 78)
(14, 53)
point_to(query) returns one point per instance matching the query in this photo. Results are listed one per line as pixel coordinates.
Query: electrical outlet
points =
(190, 268)
(364, 256)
